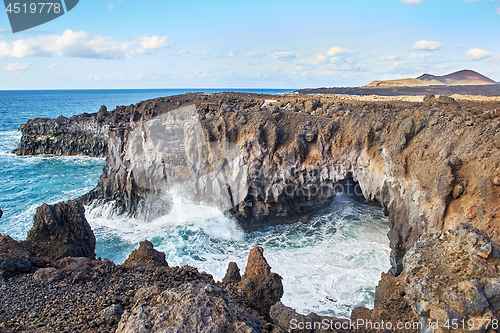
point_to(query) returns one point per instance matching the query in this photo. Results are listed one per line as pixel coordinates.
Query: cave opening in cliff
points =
(352, 188)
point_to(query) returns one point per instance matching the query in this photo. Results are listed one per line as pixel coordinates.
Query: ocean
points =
(329, 266)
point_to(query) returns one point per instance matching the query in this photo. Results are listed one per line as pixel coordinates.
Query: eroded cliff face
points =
(275, 159)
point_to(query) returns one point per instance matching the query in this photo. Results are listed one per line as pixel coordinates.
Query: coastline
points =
(356, 133)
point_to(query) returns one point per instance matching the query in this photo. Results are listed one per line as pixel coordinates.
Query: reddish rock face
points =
(257, 264)
(262, 288)
(146, 256)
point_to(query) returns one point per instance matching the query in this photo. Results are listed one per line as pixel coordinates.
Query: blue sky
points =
(257, 44)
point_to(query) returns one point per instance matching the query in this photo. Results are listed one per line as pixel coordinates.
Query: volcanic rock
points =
(1, 212)
(261, 287)
(495, 178)
(290, 321)
(189, 308)
(232, 274)
(13, 259)
(453, 276)
(146, 256)
(112, 314)
(48, 275)
(59, 231)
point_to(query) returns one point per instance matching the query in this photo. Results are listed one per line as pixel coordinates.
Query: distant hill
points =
(461, 78)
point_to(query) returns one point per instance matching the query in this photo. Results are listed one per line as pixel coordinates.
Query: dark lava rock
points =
(261, 287)
(13, 259)
(232, 274)
(70, 264)
(111, 314)
(1, 212)
(146, 256)
(59, 231)
(48, 275)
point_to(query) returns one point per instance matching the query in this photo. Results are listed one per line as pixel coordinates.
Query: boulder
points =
(111, 315)
(453, 276)
(48, 275)
(59, 231)
(146, 256)
(13, 258)
(1, 212)
(262, 288)
(70, 265)
(189, 308)
(232, 274)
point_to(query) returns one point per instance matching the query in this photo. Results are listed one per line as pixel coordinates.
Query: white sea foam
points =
(9, 140)
(329, 266)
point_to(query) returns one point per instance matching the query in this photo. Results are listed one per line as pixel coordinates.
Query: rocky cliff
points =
(275, 159)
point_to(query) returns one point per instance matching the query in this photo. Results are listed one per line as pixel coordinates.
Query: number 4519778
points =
(34, 8)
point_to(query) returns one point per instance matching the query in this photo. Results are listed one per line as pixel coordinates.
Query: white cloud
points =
(181, 52)
(16, 67)
(81, 44)
(112, 5)
(230, 54)
(419, 56)
(425, 45)
(391, 57)
(51, 66)
(497, 10)
(412, 2)
(282, 54)
(336, 51)
(477, 54)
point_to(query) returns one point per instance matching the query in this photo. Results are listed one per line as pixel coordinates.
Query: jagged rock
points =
(290, 321)
(1, 212)
(452, 276)
(13, 259)
(48, 275)
(188, 308)
(232, 274)
(59, 231)
(261, 287)
(103, 109)
(146, 256)
(390, 306)
(112, 314)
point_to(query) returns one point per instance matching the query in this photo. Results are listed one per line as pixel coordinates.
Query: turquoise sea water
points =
(329, 265)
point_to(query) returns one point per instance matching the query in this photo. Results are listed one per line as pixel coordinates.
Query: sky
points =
(250, 44)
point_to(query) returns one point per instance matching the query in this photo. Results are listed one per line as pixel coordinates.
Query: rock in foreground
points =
(146, 256)
(13, 259)
(59, 231)
(189, 308)
(262, 288)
